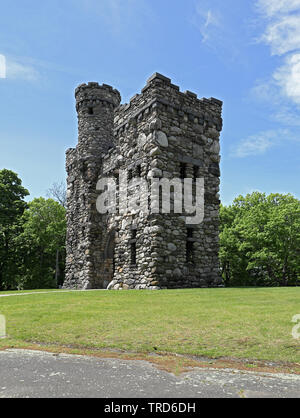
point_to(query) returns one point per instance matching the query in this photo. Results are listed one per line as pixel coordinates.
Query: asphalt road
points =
(32, 374)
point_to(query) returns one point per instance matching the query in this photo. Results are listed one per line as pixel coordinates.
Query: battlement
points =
(158, 80)
(93, 94)
(161, 92)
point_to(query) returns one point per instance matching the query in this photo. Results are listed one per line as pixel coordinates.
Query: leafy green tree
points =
(12, 206)
(42, 244)
(260, 240)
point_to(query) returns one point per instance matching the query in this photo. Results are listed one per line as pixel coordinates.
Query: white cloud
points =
(272, 8)
(282, 89)
(2, 66)
(283, 35)
(17, 70)
(288, 78)
(259, 143)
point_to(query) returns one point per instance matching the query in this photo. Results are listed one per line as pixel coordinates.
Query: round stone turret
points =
(92, 95)
(95, 105)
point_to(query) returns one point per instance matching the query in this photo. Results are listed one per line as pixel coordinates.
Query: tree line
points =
(260, 241)
(32, 238)
(259, 238)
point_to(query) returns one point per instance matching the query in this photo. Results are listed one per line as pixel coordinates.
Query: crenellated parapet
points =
(92, 95)
(159, 92)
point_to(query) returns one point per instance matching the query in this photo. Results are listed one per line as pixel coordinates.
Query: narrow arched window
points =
(133, 247)
(190, 246)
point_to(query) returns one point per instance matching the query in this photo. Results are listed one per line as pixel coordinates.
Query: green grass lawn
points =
(253, 323)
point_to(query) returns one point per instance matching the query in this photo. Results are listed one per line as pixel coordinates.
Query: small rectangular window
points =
(133, 247)
(189, 246)
(189, 252)
(90, 111)
(133, 254)
(189, 233)
(196, 172)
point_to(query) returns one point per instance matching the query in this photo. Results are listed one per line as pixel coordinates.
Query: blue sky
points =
(244, 52)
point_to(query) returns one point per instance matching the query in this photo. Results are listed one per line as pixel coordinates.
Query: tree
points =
(42, 242)
(12, 207)
(58, 192)
(260, 240)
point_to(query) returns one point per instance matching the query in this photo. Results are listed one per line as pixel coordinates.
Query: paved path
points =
(26, 373)
(52, 291)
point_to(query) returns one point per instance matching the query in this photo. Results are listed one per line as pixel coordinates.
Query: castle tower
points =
(161, 134)
(95, 106)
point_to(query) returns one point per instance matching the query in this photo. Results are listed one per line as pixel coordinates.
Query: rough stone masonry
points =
(161, 133)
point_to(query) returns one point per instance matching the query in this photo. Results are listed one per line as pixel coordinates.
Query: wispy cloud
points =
(2, 66)
(282, 88)
(12, 68)
(287, 116)
(219, 31)
(17, 70)
(208, 23)
(287, 78)
(271, 8)
(282, 35)
(259, 143)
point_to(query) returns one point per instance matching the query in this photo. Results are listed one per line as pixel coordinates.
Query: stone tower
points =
(161, 133)
(95, 106)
